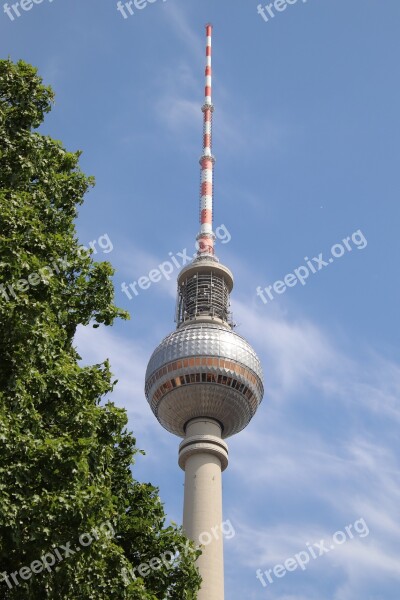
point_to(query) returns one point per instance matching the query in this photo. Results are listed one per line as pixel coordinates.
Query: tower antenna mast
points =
(206, 235)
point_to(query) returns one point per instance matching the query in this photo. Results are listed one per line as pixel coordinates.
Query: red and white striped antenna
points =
(206, 236)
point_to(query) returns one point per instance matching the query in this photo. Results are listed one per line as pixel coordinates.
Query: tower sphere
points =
(204, 368)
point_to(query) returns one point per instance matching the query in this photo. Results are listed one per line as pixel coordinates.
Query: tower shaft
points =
(203, 455)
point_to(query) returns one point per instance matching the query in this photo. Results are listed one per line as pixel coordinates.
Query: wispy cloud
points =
(179, 20)
(180, 98)
(327, 476)
(128, 364)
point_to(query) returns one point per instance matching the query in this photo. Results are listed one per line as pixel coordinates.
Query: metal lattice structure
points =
(203, 294)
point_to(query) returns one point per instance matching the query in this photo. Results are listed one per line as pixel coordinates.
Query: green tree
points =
(65, 453)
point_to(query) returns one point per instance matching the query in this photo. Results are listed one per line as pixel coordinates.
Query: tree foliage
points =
(65, 454)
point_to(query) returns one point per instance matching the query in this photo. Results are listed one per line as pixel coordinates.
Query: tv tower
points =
(204, 382)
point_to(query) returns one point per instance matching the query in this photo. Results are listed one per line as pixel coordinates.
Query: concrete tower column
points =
(204, 455)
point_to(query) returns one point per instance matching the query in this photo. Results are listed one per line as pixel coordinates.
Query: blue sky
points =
(306, 134)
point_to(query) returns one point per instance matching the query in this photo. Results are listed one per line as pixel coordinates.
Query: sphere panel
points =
(188, 402)
(206, 339)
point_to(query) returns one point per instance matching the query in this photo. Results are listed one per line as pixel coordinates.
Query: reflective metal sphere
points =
(204, 370)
